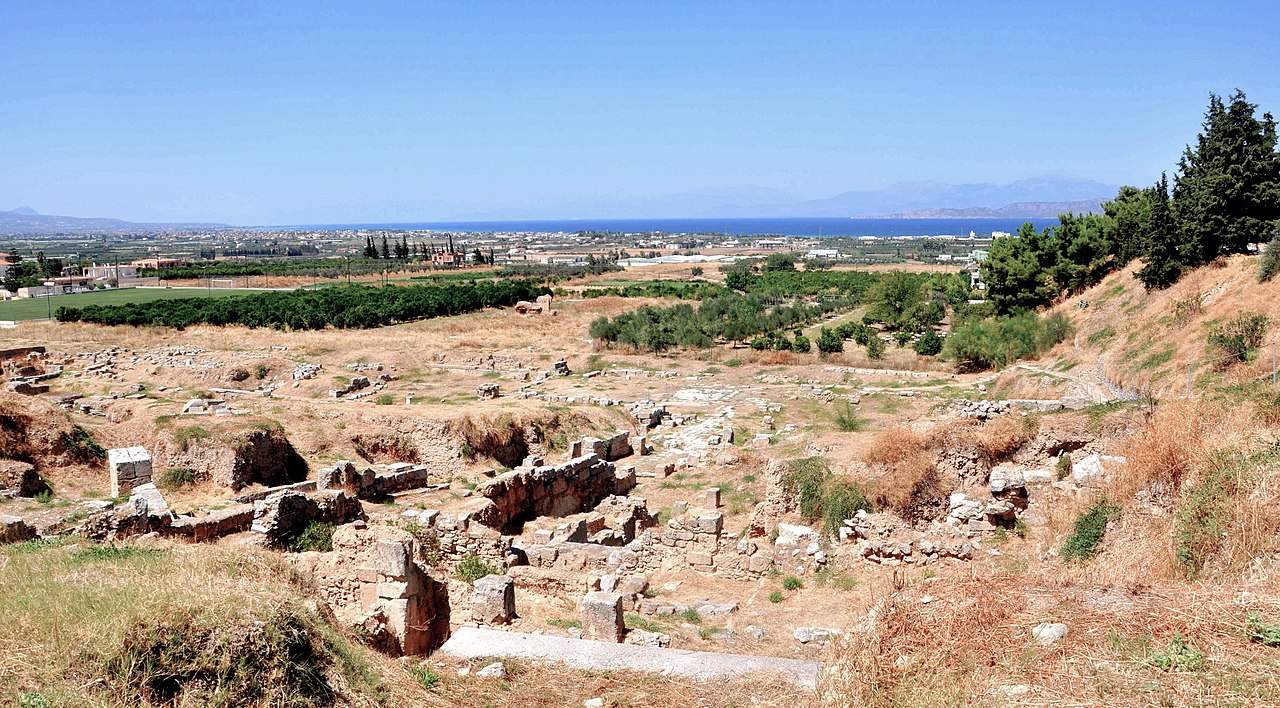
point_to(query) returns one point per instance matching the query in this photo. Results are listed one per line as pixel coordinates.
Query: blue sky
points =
(257, 113)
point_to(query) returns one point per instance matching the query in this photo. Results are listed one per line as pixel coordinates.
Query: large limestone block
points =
(130, 467)
(602, 617)
(493, 600)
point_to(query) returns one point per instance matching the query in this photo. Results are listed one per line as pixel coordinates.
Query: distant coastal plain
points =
(806, 227)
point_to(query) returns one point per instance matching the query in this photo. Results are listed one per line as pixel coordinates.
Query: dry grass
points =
(1178, 440)
(999, 438)
(907, 478)
(972, 642)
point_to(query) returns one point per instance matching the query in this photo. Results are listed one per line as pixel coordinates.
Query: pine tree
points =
(1017, 271)
(1128, 214)
(1228, 187)
(1164, 260)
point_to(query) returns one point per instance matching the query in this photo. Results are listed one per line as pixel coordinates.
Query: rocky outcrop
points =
(14, 530)
(36, 431)
(20, 479)
(233, 457)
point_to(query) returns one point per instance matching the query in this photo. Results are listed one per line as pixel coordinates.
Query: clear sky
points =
(275, 112)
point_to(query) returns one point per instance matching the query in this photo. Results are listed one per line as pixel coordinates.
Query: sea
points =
(805, 227)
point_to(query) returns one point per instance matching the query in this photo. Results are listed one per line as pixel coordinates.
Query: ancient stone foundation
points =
(368, 484)
(550, 490)
(375, 579)
(283, 515)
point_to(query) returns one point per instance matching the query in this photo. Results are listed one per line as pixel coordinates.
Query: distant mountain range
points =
(1021, 210)
(1037, 197)
(25, 220)
(1045, 196)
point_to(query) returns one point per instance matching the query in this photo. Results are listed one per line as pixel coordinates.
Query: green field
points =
(38, 308)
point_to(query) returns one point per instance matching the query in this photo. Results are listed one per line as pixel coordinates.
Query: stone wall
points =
(368, 484)
(527, 492)
(376, 578)
(453, 537)
(614, 447)
(282, 515)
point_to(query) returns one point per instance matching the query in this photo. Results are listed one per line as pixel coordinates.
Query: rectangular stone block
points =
(130, 467)
(602, 618)
(392, 559)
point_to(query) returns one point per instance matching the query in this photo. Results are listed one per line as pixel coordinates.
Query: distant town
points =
(46, 265)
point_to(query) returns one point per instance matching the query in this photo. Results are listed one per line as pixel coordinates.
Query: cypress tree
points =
(1228, 186)
(1163, 262)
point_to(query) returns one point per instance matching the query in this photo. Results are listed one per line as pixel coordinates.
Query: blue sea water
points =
(735, 227)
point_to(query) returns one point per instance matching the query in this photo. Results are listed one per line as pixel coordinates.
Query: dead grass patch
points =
(907, 479)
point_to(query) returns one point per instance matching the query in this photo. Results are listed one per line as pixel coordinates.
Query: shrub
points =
(776, 596)
(1000, 437)
(909, 482)
(1088, 531)
(176, 478)
(791, 582)
(1187, 309)
(929, 344)
(1270, 264)
(841, 501)
(806, 477)
(1063, 468)
(822, 496)
(81, 445)
(472, 568)
(32, 699)
(847, 419)
(829, 342)
(995, 342)
(1203, 518)
(1262, 632)
(424, 675)
(316, 536)
(1178, 656)
(1236, 339)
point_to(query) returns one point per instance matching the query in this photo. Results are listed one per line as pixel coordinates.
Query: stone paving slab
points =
(474, 643)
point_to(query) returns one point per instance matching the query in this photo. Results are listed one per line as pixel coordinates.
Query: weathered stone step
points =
(474, 643)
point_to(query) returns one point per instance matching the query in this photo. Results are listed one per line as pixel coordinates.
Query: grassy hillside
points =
(1147, 340)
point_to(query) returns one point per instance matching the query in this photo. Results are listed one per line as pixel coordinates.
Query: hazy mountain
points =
(25, 220)
(1021, 210)
(904, 197)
